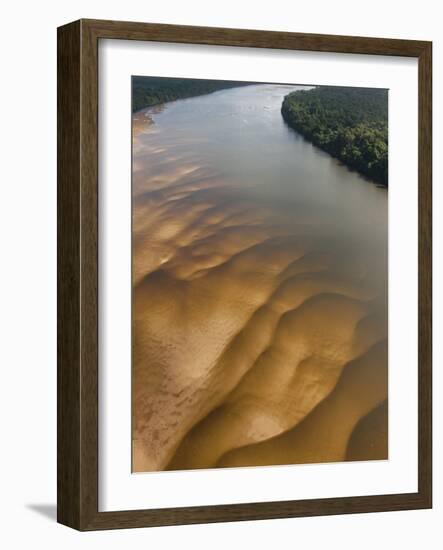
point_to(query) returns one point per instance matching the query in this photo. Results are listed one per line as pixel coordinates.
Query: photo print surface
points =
(259, 274)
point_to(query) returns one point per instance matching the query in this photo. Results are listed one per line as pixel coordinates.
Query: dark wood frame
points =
(77, 456)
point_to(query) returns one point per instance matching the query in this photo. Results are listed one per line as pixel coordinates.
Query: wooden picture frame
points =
(78, 274)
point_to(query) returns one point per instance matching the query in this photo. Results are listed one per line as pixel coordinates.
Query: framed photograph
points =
(244, 274)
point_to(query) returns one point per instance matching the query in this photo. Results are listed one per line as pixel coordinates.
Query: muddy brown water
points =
(259, 291)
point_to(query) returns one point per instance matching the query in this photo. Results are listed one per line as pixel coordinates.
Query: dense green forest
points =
(349, 123)
(147, 91)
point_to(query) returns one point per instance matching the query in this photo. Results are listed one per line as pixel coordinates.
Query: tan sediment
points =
(369, 440)
(256, 338)
(323, 435)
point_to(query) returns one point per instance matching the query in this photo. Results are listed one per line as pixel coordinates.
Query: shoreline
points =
(322, 116)
(367, 178)
(180, 93)
(341, 162)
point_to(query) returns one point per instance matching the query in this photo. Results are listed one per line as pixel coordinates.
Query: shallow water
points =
(259, 303)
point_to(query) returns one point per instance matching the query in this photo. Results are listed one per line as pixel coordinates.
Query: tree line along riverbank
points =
(149, 91)
(351, 124)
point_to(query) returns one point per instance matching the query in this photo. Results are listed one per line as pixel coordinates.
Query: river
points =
(259, 291)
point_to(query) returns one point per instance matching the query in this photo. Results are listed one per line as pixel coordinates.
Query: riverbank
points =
(149, 91)
(351, 124)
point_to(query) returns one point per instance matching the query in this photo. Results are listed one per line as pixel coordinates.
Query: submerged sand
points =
(259, 334)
